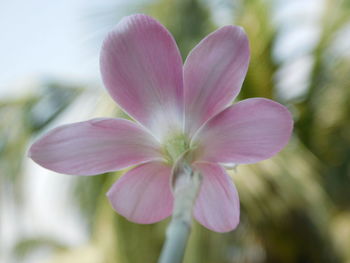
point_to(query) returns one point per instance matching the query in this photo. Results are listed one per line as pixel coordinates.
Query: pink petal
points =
(143, 194)
(142, 69)
(217, 205)
(247, 132)
(213, 74)
(95, 146)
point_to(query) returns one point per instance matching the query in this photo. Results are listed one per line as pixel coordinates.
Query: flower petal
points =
(247, 132)
(142, 69)
(143, 194)
(217, 205)
(95, 146)
(213, 74)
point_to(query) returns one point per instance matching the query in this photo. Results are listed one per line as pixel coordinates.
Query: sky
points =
(47, 39)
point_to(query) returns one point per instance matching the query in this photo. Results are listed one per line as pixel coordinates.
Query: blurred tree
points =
(21, 119)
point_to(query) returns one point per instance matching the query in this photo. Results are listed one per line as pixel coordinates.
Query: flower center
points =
(176, 145)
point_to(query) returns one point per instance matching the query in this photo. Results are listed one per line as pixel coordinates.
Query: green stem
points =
(186, 187)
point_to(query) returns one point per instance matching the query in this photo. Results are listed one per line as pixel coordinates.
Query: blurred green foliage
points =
(22, 118)
(295, 207)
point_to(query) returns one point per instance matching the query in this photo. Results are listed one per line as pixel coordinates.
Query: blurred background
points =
(295, 207)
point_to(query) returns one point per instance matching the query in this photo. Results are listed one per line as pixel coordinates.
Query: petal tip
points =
(29, 153)
(109, 194)
(222, 228)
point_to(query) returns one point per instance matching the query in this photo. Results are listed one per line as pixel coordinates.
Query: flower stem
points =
(186, 183)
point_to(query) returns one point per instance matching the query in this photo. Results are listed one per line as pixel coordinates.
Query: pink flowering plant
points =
(179, 111)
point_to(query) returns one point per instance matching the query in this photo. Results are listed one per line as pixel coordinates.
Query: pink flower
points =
(176, 108)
